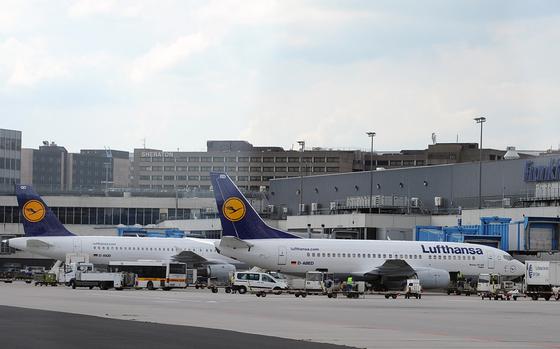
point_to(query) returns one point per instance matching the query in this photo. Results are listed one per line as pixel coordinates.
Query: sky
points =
(173, 74)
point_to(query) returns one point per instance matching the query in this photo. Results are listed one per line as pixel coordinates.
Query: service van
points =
(257, 282)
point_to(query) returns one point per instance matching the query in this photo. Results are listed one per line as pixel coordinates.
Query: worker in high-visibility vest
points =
(349, 283)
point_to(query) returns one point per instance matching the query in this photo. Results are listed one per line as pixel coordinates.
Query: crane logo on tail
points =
(234, 209)
(33, 211)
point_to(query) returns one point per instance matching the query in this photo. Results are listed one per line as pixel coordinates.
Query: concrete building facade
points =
(10, 159)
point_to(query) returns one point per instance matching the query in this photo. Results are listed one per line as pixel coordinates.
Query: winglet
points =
(37, 218)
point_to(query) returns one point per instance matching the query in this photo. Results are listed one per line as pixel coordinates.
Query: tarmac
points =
(230, 320)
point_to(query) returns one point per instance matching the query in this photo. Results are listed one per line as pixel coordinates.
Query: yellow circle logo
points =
(34, 211)
(234, 209)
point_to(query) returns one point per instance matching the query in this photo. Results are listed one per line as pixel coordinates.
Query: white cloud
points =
(85, 8)
(27, 63)
(166, 56)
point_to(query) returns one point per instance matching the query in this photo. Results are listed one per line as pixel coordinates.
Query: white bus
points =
(154, 274)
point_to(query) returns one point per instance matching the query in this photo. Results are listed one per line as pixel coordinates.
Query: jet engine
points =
(221, 272)
(433, 278)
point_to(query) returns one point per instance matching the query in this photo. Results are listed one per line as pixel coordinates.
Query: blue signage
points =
(546, 173)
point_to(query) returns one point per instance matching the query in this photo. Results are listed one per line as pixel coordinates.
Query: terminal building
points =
(430, 194)
(10, 159)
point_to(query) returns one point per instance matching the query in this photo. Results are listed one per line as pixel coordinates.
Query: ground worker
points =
(349, 283)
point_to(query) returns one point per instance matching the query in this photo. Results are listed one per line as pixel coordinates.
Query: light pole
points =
(370, 135)
(481, 120)
(302, 148)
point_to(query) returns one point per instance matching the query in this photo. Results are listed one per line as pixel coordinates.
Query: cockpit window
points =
(507, 257)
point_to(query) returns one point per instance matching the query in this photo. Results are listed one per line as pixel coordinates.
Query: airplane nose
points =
(515, 267)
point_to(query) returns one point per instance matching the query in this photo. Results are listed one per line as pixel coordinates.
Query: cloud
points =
(166, 56)
(86, 8)
(28, 63)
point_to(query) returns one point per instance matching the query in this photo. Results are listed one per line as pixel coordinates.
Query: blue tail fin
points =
(37, 218)
(238, 217)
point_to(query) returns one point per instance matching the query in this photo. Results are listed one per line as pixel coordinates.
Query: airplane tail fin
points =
(37, 218)
(238, 217)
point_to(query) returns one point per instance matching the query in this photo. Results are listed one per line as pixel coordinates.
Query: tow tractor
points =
(491, 286)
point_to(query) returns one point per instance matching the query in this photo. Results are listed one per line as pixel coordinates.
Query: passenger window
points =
(368, 255)
(308, 254)
(439, 257)
(379, 255)
(313, 254)
(353, 255)
(390, 256)
(358, 255)
(328, 254)
(323, 254)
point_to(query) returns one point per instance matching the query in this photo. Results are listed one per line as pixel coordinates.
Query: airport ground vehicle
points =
(7, 276)
(314, 283)
(413, 289)
(458, 285)
(542, 279)
(258, 283)
(45, 279)
(492, 286)
(154, 274)
(84, 275)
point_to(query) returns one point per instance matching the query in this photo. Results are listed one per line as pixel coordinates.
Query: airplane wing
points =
(392, 268)
(191, 257)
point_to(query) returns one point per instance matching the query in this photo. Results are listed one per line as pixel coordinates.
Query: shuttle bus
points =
(154, 274)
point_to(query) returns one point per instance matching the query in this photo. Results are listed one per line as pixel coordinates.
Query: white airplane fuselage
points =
(103, 249)
(358, 257)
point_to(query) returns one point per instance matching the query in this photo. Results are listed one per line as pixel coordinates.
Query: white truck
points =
(84, 275)
(542, 279)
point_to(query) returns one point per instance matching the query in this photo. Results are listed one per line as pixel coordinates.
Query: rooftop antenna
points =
(434, 138)
(457, 141)
(144, 142)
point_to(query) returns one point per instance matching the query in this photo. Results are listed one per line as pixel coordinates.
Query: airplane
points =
(386, 264)
(46, 236)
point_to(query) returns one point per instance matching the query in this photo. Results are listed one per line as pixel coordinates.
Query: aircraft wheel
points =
(387, 296)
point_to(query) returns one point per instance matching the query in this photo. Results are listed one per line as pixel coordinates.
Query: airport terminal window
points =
(194, 159)
(243, 178)
(268, 159)
(169, 178)
(319, 159)
(281, 159)
(267, 178)
(256, 159)
(255, 169)
(293, 169)
(157, 178)
(205, 178)
(157, 168)
(332, 159)
(193, 178)
(169, 168)
(169, 159)
(333, 169)
(243, 169)
(293, 159)
(205, 159)
(205, 168)
(194, 168)
(268, 169)
(181, 178)
(280, 169)
(231, 168)
(231, 159)
(318, 169)
(243, 159)
(218, 159)
(181, 168)
(157, 160)
(144, 178)
(145, 168)
(218, 168)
